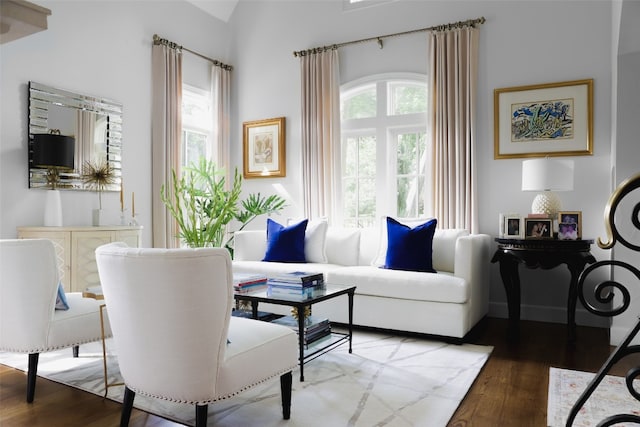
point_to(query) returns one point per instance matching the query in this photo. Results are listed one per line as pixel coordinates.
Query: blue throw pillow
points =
(410, 248)
(285, 244)
(61, 299)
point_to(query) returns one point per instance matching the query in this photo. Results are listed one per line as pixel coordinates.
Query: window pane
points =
(359, 104)
(350, 157)
(367, 156)
(407, 98)
(195, 146)
(349, 191)
(367, 197)
(408, 153)
(404, 205)
(411, 172)
(195, 110)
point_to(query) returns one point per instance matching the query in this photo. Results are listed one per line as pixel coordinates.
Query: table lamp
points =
(53, 152)
(546, 176)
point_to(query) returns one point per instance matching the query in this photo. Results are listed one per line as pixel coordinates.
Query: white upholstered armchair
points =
(173, 332)
(29, 322)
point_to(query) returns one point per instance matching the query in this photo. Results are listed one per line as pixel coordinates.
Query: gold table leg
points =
(104, 354)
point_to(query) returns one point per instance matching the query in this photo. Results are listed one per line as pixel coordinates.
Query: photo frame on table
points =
(569, 225)
(552, 119)
(538, 228)
(263, 146)
(512, 226)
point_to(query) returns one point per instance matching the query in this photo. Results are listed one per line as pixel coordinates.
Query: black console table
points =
(545, 254)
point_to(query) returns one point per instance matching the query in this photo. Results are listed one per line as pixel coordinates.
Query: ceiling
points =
(221, 9)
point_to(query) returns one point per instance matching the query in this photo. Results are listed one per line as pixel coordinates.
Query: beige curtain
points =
(165, 138)
(453, 75)
(320, 79)
(221, 101)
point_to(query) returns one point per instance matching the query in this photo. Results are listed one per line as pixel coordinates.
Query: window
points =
(383, 148)
(197, 125)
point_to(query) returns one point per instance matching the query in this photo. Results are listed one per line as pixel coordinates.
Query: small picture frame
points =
(264, 148)
(570, 232)
(567, 231)
(512, 226)
(538, 228)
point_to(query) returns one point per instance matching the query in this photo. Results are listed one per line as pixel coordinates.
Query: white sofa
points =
(447, 303)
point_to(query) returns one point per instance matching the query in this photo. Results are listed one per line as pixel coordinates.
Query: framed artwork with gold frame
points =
(552, 119)
(264, 148)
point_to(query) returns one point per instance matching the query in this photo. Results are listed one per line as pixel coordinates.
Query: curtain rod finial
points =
(379, 42)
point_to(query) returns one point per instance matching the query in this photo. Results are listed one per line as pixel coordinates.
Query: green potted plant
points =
(203, 206)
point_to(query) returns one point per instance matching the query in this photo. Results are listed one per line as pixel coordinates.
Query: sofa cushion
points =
(285, 244)
(410, 248)
(400, 284)
(314, 239)
(444, 248)
(342, 245)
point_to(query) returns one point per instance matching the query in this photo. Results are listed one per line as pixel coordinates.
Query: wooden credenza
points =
(75, 248)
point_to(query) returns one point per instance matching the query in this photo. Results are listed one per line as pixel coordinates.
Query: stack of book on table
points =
(315, 328)
(296, 283)
(244, 283)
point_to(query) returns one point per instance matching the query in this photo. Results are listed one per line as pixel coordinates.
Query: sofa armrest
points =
(249, 245)
(472, 263)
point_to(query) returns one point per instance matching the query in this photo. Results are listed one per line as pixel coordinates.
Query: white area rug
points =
(611, 397)
(386, 381)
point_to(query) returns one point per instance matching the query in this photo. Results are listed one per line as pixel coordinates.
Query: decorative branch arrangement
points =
(98, 176)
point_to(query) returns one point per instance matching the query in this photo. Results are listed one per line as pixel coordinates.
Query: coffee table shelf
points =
(321, 346)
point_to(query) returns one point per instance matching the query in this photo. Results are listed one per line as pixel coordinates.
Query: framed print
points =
(264, 148)
(569, 225)
(538, 228)
(552, 119)
(512, 226)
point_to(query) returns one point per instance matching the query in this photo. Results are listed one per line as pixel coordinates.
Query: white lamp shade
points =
(547, 174)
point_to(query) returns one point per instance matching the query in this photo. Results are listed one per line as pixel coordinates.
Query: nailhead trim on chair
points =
(44, 350)
(205, 402)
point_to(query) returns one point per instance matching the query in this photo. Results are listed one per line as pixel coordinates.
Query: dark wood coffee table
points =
(301, 303)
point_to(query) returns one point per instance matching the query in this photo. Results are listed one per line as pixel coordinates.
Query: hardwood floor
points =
(511, 390)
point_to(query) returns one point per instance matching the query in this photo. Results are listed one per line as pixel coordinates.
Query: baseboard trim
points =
(549, 314)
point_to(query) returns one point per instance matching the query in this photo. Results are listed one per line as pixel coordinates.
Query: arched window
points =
(383, 148)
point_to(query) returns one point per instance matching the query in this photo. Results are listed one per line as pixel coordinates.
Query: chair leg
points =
(127, 406)
(32, 372)
(285, 389)
(201, 415)
(76, 350)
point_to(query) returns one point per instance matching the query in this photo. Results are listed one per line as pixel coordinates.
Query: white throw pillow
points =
(315, 240)
(380, 259)
(343, 245)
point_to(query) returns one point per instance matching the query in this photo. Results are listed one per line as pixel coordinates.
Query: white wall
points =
(102, 49)
(521, 43)
(627, 165)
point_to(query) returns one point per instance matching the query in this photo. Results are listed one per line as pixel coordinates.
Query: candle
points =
(133, 205)
(121, 196)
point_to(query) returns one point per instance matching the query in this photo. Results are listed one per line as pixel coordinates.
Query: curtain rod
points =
(459, 24)
(158, 40)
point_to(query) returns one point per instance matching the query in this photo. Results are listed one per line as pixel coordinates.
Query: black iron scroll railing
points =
(602, 301)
